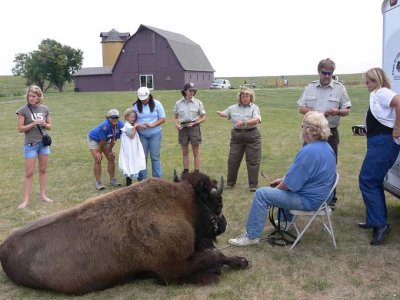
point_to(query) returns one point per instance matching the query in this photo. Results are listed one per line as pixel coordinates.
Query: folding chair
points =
(323, 210)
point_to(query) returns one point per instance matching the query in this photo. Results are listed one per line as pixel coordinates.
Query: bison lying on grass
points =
(154, 227)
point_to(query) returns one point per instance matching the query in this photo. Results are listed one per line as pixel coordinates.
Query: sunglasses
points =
(326, 73)
(114, 118)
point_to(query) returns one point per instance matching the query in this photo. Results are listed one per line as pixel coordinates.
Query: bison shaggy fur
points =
(154, 227)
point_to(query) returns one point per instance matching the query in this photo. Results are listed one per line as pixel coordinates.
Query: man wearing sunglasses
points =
(330, 97)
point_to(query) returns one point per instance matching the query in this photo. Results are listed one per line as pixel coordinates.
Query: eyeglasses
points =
(326, 73)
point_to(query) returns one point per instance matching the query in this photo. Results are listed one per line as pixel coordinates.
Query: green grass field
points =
(313, 270)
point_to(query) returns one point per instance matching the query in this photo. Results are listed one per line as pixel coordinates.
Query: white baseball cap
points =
(143, 93)
(112, 113)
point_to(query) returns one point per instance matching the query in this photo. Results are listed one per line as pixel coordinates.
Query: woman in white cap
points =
(150, 115)
(101, 140)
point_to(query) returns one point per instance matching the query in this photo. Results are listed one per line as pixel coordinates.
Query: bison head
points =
(209, 201)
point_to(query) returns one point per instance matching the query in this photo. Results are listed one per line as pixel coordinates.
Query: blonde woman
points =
(305, 185)
(383, 128)
(30, 117)
(245, 137)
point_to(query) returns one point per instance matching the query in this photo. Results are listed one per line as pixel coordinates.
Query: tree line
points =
(52, 65)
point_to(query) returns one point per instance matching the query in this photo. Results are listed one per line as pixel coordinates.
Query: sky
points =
(240, 38)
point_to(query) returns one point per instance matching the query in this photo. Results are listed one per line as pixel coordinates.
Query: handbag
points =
(46, 139)
(280, 236)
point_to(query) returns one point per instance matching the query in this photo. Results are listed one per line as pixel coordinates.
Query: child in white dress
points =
(131, 155)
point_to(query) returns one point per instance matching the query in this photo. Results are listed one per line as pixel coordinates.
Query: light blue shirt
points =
(146, 116)
(312, 173)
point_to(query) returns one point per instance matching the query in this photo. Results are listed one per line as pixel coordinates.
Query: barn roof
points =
(114, 36)
(94, 71)
(189, 54)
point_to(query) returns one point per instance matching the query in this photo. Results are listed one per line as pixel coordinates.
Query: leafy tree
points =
(52, 64)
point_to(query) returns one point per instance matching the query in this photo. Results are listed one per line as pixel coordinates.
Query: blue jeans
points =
(262, 200)
(152, 144)
(380, 157)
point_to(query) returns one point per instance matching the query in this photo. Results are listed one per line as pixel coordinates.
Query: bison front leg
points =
(205, 267)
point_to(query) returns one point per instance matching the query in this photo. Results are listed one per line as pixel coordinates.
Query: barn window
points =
(146, 80)
(393, 2)
(168, 77)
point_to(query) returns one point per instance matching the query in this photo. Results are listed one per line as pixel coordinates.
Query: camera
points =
(359, 129)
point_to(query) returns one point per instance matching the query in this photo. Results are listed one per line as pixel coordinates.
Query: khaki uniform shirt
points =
(321, 99)
(239, 112)
(188, 111)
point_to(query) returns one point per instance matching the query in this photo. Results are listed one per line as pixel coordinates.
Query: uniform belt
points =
(186, 124)
(244, 129)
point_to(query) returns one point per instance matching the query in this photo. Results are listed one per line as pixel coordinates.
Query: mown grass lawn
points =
(313, 270)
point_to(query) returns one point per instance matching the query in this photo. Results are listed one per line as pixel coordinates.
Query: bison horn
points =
(218, 192)
(176, 178)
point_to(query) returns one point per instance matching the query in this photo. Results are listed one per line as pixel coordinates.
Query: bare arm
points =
(24, 128)
(176, 122)
(201, 119)
(303, 110)
(251, 122)
(156, 123)
(221, 114)
(133, 131)
(396, 104)
(278, 183)
(343, 112)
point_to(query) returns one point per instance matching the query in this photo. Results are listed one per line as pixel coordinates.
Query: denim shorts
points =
(34, 150)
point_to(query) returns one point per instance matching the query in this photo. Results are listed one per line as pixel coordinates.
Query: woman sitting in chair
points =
(305, 185)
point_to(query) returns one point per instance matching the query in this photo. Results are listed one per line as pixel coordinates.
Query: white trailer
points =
(391, 41)
(391, 65)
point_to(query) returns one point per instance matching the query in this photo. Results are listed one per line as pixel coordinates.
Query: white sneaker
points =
(243, 240)
(114, 182)
(100, 186)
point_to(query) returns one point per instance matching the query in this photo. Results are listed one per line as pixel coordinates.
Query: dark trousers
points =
(244, 142)
(333, 140)
(380, 157)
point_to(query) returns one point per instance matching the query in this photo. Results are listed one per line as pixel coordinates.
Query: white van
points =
(220, 84)
(391, 65)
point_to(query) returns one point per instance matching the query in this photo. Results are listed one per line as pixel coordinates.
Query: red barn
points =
(151, 57)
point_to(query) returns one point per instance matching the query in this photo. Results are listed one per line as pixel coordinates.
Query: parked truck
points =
(391, 65)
